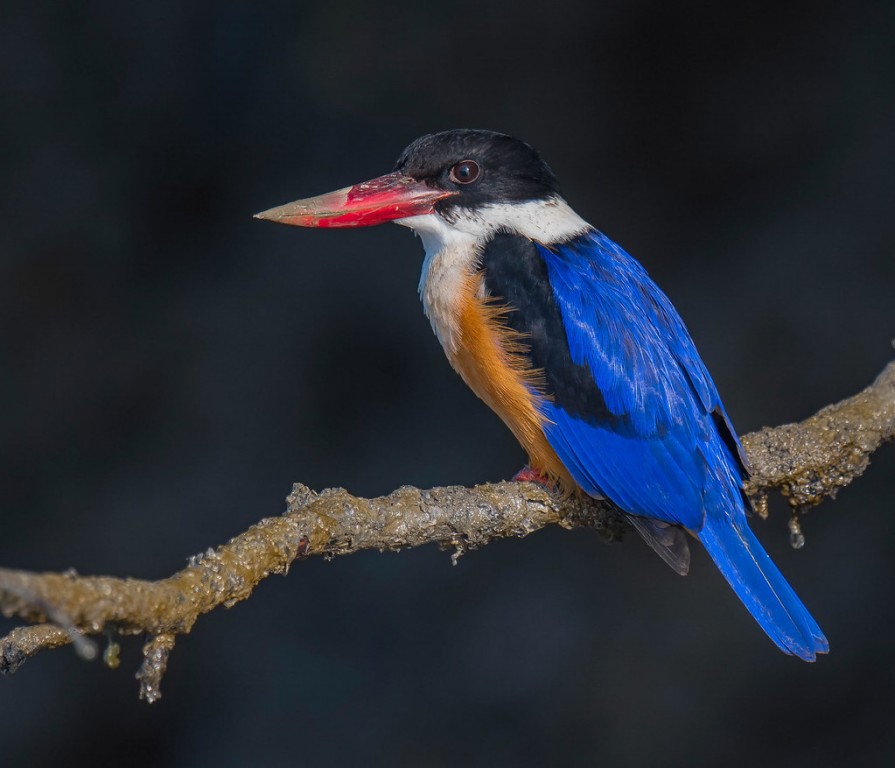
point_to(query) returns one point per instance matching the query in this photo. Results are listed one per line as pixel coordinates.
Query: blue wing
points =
(666, 450)
(633, 413)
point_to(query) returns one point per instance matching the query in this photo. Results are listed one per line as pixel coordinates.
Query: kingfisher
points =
(567, 338)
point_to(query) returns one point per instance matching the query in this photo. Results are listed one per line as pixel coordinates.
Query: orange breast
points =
(488, 357)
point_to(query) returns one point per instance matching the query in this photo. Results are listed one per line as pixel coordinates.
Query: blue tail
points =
(762, 588)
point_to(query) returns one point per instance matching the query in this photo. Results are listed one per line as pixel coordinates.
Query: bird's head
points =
(469, 182)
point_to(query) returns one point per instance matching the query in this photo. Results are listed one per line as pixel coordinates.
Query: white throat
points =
(454, 244)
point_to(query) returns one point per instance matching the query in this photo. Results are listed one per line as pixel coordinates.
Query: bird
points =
(566, 337)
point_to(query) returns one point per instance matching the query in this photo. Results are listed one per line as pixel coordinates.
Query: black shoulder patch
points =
(515, 274)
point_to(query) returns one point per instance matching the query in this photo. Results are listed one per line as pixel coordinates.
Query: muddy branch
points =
(806, 462)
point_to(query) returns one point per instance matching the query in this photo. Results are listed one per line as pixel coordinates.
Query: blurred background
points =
(169, 367)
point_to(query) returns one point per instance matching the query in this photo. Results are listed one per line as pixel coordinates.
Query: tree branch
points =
(805, 461)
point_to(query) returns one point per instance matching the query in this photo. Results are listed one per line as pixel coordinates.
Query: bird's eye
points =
(465, 172)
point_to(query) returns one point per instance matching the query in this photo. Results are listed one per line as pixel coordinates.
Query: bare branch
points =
(24, 642)
(817, 457)
(805, 461)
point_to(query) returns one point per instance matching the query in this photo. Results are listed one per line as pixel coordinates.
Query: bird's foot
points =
(529, 475)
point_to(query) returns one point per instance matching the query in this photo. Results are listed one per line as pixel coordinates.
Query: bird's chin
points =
(438, 234)
(417, 223)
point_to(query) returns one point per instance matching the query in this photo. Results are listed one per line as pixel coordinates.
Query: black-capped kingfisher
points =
(569, 341)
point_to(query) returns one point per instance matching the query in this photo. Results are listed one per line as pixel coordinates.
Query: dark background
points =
(170, 367)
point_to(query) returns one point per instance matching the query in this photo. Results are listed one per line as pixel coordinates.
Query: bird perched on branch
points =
(569, 341)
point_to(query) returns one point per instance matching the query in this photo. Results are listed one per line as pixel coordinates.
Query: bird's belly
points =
(490, 359)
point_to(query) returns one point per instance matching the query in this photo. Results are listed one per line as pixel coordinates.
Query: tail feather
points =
(762, 588)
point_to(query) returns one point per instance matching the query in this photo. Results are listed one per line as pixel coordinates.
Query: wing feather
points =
(653, 455)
